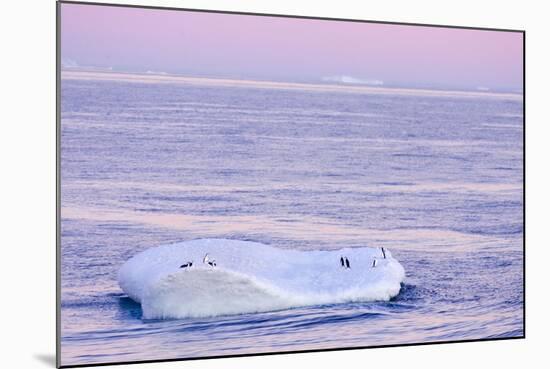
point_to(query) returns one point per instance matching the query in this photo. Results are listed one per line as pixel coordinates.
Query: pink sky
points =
(133, 39)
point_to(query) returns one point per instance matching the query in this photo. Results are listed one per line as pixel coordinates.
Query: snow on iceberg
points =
(253, 277)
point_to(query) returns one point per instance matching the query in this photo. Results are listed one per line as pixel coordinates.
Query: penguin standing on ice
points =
(189, 264)
(206, 260)
(374, 263)
(383, 252)
(347, 264)
(342, 264)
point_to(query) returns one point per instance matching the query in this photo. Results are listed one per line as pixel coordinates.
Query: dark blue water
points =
(436, 179)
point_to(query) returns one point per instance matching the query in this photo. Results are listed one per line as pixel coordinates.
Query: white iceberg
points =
(353, 80)
(253, 277)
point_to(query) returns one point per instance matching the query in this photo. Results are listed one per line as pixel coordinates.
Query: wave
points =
(252, 277)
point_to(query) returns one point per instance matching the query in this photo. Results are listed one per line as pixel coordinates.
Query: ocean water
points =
(437, 178)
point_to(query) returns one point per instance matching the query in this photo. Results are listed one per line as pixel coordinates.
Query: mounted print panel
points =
(240, 184)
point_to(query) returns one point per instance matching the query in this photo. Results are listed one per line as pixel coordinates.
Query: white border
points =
(28, 182)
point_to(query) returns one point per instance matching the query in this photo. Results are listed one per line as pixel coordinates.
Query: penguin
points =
(374, 263)
(189, 264)
(347, 264)
(206, 260)
(342, 262)
(383, 252)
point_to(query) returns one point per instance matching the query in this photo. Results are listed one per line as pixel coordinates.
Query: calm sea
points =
(437, 178)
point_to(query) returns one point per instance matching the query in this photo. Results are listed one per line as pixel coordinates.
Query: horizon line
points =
(94, 73)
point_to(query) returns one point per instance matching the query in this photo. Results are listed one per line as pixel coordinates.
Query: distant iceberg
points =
(253, 277)
(353, 81)
(68, 63)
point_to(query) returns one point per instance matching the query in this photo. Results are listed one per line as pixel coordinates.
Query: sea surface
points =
(436, 177)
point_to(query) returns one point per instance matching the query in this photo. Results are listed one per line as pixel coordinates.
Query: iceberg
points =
(253, 277)
(353, 80)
